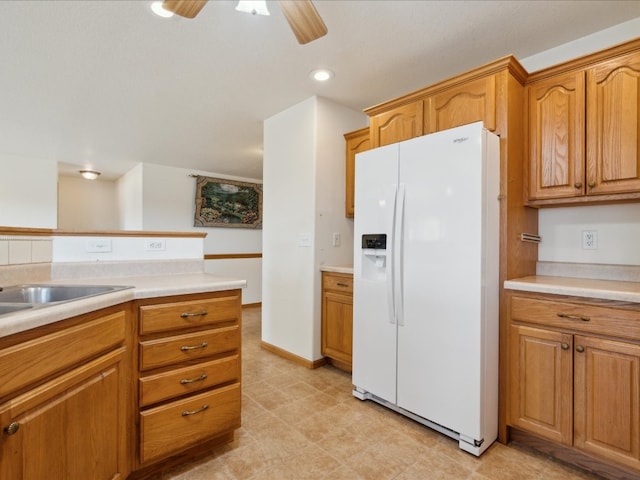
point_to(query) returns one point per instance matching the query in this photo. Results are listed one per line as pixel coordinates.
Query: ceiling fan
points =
(303, 18)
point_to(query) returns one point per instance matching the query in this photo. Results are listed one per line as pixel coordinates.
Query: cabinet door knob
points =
(578, 185)
(580, 349)
(564, 346)
(591, 184)
(12, 428)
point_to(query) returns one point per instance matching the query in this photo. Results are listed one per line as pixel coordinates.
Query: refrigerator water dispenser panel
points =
(376, 241)
(374, 257)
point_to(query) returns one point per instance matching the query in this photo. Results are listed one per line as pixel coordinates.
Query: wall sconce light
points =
(90, 174)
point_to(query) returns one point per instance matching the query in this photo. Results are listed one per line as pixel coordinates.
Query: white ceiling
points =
(108, 84)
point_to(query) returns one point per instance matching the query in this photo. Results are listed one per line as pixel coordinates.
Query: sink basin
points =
(45, 294)
(10, 308)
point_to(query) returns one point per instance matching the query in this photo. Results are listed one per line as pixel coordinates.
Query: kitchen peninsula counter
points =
(144, 286)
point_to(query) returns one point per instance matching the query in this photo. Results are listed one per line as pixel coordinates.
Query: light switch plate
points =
(304, 240)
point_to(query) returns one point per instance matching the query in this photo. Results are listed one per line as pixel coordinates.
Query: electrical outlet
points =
(155, 245)
(589, 240)
(98, 245)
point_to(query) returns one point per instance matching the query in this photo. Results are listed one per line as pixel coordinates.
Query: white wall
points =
(303, 168)
(618, 226)
(28, 192)
(168, 199)
(169, 204)
(87, 204)
(129, 193)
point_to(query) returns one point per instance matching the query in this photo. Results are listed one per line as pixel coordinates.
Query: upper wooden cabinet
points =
(613, 126)
(400, 123)
(556, 136)
(358, 141)
(462, 104)
(584, 130)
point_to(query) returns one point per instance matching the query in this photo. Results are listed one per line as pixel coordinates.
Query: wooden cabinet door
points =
(337, 327)
(607, 399)
(541, 379)
(467, 103)
(401, 123)
(613, 126)
(358, 141)
(556, 137)
(69, 428)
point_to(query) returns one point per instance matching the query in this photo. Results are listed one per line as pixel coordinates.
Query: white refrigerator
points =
(426, 253)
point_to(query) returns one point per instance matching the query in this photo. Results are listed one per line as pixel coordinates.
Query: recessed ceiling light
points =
(158, 9)
(321, 74)
(90, 174)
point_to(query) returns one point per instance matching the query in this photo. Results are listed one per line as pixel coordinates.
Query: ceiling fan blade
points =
(303, 19)
(184, 8)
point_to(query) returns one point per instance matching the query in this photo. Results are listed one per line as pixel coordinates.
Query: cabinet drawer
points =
(191, 346)
(574, 316)
(32, 361)
(186, 422)
(193, 313)
(182, 381)
(338, 283)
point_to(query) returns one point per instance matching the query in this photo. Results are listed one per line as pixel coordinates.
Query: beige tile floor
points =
(304, 424)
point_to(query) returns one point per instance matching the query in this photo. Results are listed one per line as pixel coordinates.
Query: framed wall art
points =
(227, 203)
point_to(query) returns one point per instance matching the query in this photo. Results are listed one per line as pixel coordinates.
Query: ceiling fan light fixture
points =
(90, 174)
(321, 75)
(254, 7)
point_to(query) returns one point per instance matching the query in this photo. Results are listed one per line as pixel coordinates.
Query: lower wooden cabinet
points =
(116, 393)
(570, 382)
(73, 421)
(337, 318)
(189, 372)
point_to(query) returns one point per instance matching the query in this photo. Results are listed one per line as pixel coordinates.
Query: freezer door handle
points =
(398, 253)
(390, 259)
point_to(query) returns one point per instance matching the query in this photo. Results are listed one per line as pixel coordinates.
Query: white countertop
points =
(148, 286)
(579, 287)
(337, 268)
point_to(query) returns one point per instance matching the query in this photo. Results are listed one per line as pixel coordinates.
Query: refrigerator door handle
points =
(398, 253)
(390, 259)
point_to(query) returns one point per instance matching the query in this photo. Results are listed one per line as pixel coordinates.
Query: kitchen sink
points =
(10, 308)
(38, 295)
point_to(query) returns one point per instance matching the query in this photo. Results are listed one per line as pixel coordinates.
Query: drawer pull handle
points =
(185, 381)
(12, 428)
(186, 348)
(340, 284)
(186, 413)
(199, 314)
(574, 317)
(564, 346)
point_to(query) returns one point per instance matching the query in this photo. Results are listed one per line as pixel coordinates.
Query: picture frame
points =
(227, 203)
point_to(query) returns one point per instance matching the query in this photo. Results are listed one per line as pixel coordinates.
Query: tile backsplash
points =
(23, 250)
